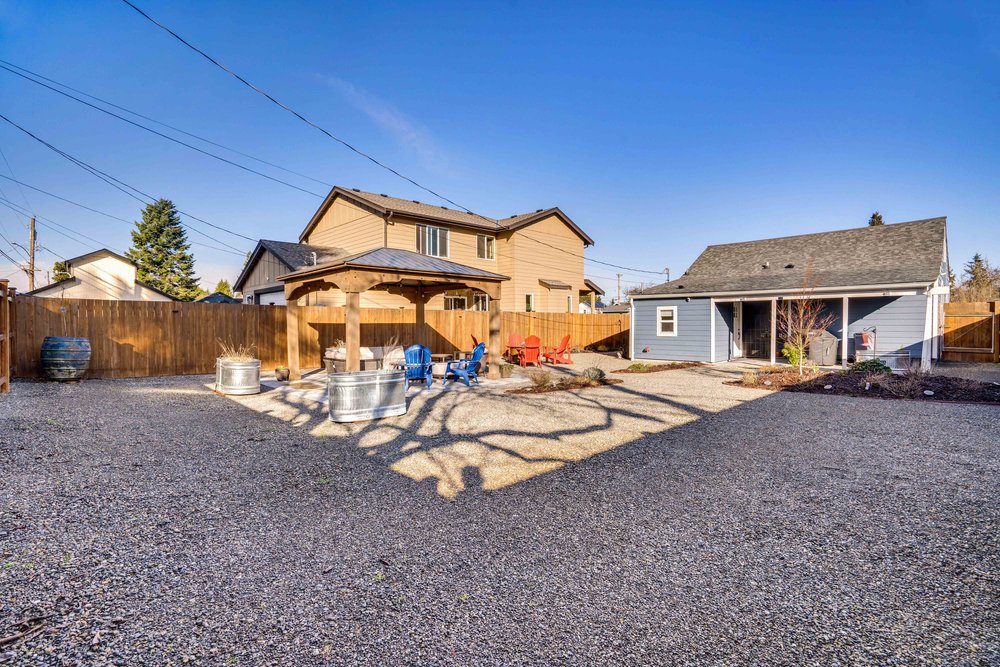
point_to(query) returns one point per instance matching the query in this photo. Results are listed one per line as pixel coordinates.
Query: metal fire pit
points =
(237, 378)
(366, 395)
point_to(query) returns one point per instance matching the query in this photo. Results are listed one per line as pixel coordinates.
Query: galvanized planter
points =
(237, 378)
(366, 395)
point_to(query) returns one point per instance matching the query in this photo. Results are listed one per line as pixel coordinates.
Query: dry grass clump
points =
(541, 378)
(236, 351)
(750, 379)
(908, 385)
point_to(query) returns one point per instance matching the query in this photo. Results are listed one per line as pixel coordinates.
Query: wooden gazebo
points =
(415, 276)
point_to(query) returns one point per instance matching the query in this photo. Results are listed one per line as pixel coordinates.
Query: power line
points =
(293, 111)
(165, 136)
(121, 186)
(166, 125)
(114, 217)
(11, 172)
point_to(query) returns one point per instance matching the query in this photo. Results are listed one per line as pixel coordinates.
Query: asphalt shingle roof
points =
(900, 253)
(300, 255)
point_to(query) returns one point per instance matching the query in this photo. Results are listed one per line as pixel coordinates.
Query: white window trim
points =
(465, 302)
(659, 317)
(534, 305)
(483, 297)
(423, 228)
(486, 236)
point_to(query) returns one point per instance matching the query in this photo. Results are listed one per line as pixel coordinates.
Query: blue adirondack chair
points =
(418, 365)
(466, 368)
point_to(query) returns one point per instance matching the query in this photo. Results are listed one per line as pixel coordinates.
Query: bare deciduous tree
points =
(802, 318)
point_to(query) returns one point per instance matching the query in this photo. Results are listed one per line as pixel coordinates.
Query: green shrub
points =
(792, 352)
(870, 366)
(638, 367)
(594, 373)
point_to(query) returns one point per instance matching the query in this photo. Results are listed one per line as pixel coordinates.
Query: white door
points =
(737, 330)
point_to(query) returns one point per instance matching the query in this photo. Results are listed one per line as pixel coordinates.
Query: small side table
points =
(440, 358)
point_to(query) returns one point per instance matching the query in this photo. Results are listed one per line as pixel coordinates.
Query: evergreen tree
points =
(223, 287)
(161, 251)
(59, 272)
(875, 220)
(978, 271)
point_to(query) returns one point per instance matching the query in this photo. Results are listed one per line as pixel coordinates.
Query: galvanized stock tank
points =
(237, 378)
(366, 395)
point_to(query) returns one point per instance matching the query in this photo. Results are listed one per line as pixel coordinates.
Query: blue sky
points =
(659, 129)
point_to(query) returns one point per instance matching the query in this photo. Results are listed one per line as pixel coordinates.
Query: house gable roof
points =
(394, 259)
(896, 254)
(293, 256)
(384, 204)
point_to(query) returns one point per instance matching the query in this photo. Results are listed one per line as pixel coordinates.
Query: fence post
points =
(5, 327)
(996, 332)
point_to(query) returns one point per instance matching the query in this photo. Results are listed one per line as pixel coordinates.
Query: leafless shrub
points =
(908, 385)
(750, 379)
(541, 378)
(236, 351)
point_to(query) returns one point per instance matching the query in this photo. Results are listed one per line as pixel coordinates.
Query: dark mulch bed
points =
(877, 385)
(656, 368)
(563, 385)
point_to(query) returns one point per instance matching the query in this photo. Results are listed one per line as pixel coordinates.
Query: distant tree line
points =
(980, 281)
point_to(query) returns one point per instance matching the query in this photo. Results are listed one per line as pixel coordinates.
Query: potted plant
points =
(281, 373)
(237, 370)
(506, 370)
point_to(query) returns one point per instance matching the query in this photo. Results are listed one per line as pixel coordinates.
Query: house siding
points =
(693, 330)
(899, 321)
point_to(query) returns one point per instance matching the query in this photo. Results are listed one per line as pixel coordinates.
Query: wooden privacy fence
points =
(141, 339)
(6, 335)
(972, 331)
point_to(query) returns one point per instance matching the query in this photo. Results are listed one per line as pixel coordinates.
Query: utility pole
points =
(31, 254)
(619, 289)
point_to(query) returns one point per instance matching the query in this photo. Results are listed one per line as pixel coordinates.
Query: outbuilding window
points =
(666, 321)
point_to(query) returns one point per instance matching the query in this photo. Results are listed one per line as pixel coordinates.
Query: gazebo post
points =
(292, 339)
(419, 303)
(494, 345)
(352, 337)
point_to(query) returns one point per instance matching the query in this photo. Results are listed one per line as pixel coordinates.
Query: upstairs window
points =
(666, 321)
(432, 241)
(485, 246)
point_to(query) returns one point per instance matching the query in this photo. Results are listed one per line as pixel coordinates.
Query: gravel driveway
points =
(667, 520)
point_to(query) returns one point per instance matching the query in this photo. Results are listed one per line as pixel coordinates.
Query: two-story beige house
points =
(541, 252)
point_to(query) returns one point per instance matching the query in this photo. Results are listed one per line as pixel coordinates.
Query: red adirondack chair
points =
(514, 345)
(559, 355)
(532, 351)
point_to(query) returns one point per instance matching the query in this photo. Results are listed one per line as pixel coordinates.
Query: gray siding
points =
(723, 331)
(899, 321)
(693, 330)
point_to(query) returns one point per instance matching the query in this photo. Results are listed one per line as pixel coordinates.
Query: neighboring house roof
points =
(294, 256)
(394, 259)
(905, 253)
(594, 287)
(384, 204)
(617, 308)
(218, 297)
(83, 259)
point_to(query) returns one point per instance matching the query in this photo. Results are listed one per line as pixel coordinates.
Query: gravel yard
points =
(668, 520)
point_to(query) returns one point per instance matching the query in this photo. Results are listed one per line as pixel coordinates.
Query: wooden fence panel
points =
(972, 331)
(142, 339)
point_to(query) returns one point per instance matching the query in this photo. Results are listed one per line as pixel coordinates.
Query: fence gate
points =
(970, 331)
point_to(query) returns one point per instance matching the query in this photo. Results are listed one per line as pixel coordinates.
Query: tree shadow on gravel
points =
(504, 438)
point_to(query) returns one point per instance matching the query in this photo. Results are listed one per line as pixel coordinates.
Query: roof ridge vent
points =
(789, 266)
(414, 201)
(539, 210)
(355, 189)
(382, 194)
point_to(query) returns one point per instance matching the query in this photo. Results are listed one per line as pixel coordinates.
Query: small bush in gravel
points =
(907, 385)
(638, 367)
(750, 379)
(870, 366)
(595, 374)
(541, 378)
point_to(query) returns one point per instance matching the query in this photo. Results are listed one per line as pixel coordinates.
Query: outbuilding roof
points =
(896, 254)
